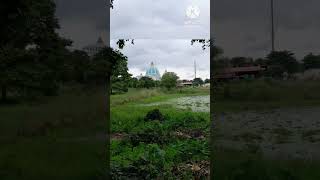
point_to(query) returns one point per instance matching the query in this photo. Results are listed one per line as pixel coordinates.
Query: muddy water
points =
(290, 133)
(194, 103)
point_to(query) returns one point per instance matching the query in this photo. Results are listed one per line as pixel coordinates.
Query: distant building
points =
(93, 49)
(185, 83)
(240, 73)
(140, 76)
(153, 72)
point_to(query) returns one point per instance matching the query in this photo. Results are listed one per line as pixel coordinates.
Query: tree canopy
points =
(169, 80)
(31, 51)
(146, 82)
(311, 61)
(198, 82)
(281, 62)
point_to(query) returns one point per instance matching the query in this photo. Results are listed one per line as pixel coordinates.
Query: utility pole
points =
(272, 25)
(195, 70)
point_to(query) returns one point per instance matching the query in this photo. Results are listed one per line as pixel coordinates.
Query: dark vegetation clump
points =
(154, 115)
(153, 132)
(150, 165)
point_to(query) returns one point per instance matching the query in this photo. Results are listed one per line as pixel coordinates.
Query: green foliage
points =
(311, 61)
(75, 67)
(198, 82)
(151, 132)
(109, 62)
(146, 82)
(31, 53)
(280, 62)
(241, 61)
(157, 149)
(133, 82)
(154, 115)
(153, 152)
(169, 80)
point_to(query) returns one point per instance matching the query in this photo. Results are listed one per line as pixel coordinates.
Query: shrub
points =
(154, 115)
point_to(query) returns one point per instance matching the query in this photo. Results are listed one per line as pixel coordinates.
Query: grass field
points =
(260, 128)
(174, 148)
(70, 128)
(54, 138)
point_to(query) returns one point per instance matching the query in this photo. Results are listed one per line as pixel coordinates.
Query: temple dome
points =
(93, 49)
(153, 72)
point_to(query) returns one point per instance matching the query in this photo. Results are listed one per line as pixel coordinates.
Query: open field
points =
(174, 147)
(266, 130)
(250, 134)
(36, 137)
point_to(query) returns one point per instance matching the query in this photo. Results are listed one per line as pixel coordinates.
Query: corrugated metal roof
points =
(243, 69)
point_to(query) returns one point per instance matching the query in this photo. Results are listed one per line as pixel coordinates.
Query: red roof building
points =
(239, 72)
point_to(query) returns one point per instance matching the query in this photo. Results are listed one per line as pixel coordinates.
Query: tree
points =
(311, 61)
(146, 82)
(198, 82)
(169, 80)
(220, 64)
(133, 82)
(260, 61)
(75, 67)
(207, 81)
(30, 48)
(110, 63)
(241, 61)
(280, 62)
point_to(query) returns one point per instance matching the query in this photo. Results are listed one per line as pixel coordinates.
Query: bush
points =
(154, 115)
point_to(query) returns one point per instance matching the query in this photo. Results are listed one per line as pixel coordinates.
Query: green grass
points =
(40, 158)
(152, 149)
(263, 94)
(56, 137)
(233, 165)
(36, 137)
(45, 139)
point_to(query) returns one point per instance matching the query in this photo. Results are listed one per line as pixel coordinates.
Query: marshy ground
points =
(172, 145)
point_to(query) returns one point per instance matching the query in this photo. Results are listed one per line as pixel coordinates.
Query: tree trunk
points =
(4, 92)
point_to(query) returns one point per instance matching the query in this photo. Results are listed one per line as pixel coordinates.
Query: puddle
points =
(194, 103)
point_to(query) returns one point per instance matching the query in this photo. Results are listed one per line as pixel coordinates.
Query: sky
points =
(241, 28)
(173, 55)
(163, 33)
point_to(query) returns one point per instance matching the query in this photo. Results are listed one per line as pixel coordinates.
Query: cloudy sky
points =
(161, 29)
(173, 55)
(241, 28)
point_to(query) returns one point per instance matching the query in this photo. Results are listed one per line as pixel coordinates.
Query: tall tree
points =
(281, 62)
(311, 61)
(109, 62)
(28, 29)
(169, 80)
(241, 61)
(146, 82)
(198, 82)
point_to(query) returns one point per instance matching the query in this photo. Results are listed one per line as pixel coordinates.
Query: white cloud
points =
(154, 19)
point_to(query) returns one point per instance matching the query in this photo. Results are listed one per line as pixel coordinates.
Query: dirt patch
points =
(190, 134)
(118, 136)
(200, 170)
